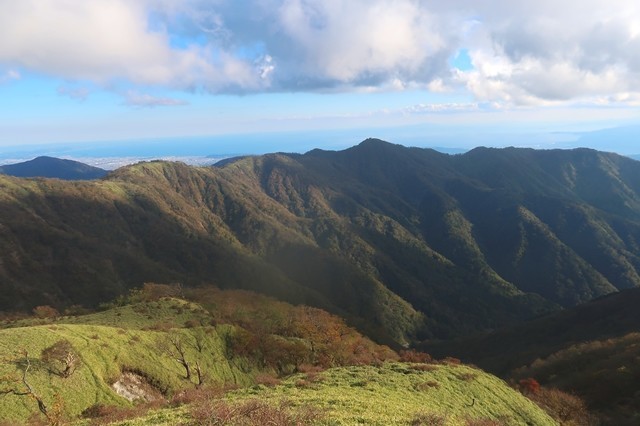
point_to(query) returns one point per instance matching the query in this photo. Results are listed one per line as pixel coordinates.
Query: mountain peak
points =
(52, 167)
(375, 142)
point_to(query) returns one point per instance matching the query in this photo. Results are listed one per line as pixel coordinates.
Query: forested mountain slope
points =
(406, 243)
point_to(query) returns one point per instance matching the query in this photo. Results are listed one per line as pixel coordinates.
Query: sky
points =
(289, 74)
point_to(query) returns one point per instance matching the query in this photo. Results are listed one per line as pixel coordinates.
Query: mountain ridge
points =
(407, 243)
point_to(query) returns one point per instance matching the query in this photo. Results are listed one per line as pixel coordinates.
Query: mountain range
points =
(407, 244)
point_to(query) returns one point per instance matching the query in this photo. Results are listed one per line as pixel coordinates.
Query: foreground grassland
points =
(255, 355)
(137, 341)
(392, 394)
(399, 393)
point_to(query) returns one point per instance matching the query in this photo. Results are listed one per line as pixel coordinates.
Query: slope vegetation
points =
(151, 348)
(235, 358)
(390, 394)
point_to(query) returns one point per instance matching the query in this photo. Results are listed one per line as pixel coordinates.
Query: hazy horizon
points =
(205, 150)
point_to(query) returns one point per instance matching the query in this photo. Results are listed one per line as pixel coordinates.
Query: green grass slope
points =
(229, 338)
(396, 394)
(391, 394)
(131, 338)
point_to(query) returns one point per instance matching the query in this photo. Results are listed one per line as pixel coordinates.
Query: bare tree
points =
(28, 389)
(200, 373)
(176, 349)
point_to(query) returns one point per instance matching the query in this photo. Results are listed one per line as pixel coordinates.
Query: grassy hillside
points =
(134, 339)
(391, 394)
(228, 340)
(397, 394)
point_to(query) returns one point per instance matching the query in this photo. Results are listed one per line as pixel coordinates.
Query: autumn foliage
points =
(284, 337)
(529, 386)
(566, 408)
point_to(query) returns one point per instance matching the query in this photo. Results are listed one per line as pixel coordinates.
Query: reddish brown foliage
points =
(428, 419)
(451, 361)
(267, 380)
(529, 386)
(315, 337)
(566, 408)
(423, 367)
(105, 414)
(412, 355)
(197, 395)
(308, 368)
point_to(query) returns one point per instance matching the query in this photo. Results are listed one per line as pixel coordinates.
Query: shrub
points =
(61, 358)
(267, 380)
(106, 414)
(424, 367)
(153, 291)
(451, 361)
(566, 408)
(45, 311)
(192, 323)
(529, 386)
(467, 377)
(197, 395)
(412, 355)
(308, 368)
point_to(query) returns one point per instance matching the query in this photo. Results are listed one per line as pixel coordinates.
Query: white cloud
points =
(523, 52)
(552, 52)
(106, 40)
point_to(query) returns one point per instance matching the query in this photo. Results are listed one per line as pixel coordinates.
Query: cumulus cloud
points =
(552, 52)
(522, 52)
(105, 40)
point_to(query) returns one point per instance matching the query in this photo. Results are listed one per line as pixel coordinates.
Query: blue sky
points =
(464, 73)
